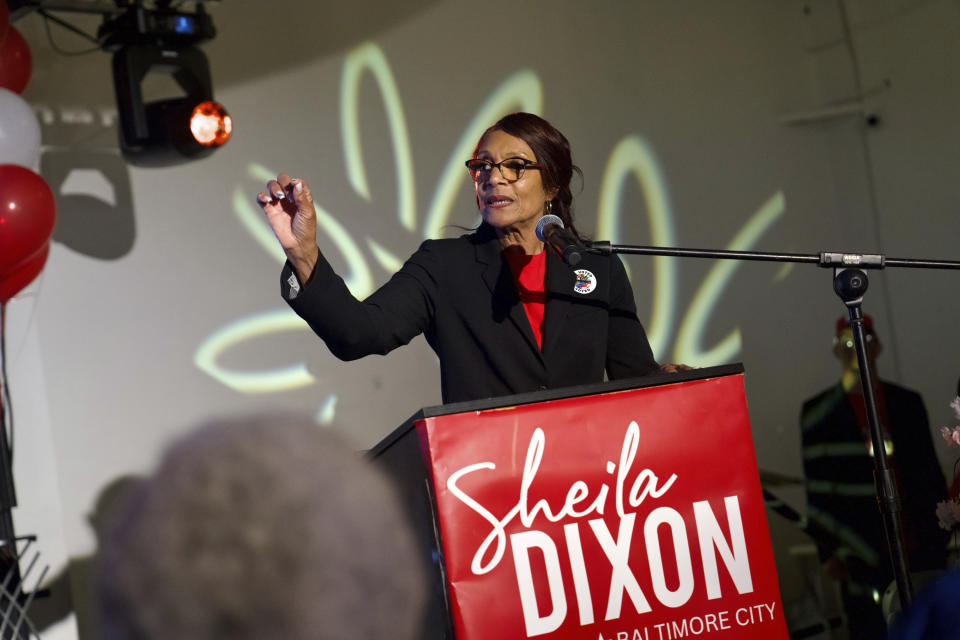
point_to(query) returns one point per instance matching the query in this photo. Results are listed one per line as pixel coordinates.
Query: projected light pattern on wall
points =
(633, 157)
(688, 347)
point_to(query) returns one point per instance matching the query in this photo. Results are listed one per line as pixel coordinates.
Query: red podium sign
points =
(632, 515)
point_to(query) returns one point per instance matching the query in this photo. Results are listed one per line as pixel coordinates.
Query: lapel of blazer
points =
(559, 282)
(496, 275)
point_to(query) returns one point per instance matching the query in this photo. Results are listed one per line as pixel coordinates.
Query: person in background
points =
(842, 510)
(256, 528)
(503, 314)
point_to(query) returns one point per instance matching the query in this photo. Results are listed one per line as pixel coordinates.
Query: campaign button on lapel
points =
(586, 281)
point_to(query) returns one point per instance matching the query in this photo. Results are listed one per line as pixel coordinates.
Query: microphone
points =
(551, 231)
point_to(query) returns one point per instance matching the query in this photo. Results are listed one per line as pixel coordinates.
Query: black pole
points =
(8, 496)
(9, 557)
(850, 283)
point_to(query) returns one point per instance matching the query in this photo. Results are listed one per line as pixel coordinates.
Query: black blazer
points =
(461, 295)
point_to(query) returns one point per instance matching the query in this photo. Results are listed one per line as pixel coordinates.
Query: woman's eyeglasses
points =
(511, 169)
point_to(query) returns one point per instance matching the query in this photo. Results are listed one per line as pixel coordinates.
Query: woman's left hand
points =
(674, 368)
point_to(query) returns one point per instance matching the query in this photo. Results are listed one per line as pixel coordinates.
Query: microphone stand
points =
(850, 284)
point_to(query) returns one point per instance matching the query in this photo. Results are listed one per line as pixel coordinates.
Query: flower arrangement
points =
(948, 511)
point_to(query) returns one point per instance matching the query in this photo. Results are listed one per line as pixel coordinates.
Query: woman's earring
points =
(549, 207)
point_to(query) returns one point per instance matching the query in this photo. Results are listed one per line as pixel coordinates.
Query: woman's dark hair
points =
(552, 151)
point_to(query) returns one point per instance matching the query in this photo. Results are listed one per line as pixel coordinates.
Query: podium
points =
(626, 510)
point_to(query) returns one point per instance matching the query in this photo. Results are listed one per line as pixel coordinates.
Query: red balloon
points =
(27, 214)
(4, 19)
(15, 61)
(12, 282)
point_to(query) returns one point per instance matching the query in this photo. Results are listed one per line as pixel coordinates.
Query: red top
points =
(528, 273)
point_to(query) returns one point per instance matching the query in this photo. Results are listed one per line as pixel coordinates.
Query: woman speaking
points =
(503, 314)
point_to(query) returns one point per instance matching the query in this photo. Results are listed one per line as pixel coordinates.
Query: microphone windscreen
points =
(543, 222)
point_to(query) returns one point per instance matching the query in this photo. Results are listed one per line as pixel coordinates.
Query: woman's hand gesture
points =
(289, 208)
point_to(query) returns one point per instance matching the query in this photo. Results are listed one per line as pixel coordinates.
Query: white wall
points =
(148, 264)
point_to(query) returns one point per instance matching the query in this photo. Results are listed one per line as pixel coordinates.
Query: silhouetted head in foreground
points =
(261, 528)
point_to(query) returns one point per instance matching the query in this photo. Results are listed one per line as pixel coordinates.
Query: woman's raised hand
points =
(289, 208)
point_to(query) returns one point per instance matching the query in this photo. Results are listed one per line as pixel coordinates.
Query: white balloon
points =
(19, 132)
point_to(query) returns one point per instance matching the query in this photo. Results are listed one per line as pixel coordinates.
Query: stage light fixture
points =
(159, 40)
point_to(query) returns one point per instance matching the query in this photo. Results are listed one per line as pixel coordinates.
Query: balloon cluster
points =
(27, 208)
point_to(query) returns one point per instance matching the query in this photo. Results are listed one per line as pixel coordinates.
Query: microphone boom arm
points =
(849, 283)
